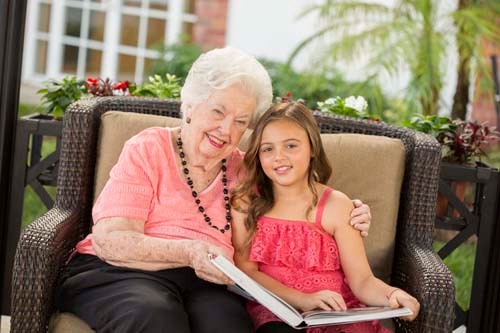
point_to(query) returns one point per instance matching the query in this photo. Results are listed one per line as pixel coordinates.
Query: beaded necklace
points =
(190, 183)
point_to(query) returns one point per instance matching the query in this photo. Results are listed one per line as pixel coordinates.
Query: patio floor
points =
(6, 326)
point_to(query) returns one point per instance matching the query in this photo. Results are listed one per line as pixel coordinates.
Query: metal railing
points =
(479, 218)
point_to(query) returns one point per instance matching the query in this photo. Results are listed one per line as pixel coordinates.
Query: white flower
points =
(358, 103)
(332, 101)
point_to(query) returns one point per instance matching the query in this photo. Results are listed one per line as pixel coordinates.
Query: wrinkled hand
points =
(361, 217)
(199, 260)
(323, 299)
(400, 298)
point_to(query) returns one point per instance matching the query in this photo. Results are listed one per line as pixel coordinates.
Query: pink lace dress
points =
(303, 256)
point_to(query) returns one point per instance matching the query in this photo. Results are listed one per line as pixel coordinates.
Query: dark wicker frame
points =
(45, 244)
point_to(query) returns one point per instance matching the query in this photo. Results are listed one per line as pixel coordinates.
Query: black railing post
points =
(12, 18)
(481, 219)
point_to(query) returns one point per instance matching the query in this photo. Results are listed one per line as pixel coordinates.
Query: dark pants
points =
(115, 299)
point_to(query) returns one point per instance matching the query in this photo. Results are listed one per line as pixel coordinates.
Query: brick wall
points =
(210, 30)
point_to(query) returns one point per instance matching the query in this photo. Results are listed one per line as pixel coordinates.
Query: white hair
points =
(223, 67)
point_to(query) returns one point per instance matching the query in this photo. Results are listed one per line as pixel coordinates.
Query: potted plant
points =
(462, 147)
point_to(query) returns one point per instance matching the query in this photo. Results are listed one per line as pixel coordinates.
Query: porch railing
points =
(479, 218)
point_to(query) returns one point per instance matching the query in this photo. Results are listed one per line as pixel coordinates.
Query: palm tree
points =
(412, 35)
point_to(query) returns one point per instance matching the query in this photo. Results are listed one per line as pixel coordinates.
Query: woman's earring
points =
(188, 120)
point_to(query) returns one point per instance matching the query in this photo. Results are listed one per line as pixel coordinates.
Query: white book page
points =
(271, 301)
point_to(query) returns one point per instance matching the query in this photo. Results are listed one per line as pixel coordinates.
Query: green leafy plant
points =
(175, 59)
(462, 142)
(351, 106)
(157, 87)
(437, 126)
(58, 94)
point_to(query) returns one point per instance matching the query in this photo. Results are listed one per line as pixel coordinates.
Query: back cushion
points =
(365, 167)
(370, 168)
(116, 128)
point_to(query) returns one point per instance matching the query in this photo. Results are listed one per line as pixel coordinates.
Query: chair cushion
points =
(67, 322)
(116, 128)
(370, 168)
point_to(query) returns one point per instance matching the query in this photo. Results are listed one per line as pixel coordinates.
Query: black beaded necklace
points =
(225, 191)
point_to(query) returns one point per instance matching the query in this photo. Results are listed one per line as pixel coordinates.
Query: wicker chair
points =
(46, 243)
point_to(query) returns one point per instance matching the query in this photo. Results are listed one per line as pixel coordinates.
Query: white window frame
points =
(110, 46)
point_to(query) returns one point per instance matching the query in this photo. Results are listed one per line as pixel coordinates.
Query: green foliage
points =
(58, 94)
(434, 125)
(175, 59)
(312, 87)
(461, 141)
(157, 87)
(414, 35)
(27, 109)
(352, 106)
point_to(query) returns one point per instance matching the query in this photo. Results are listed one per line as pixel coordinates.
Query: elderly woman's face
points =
(218, 123)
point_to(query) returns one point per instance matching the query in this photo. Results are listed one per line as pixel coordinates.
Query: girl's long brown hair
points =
(254, 195)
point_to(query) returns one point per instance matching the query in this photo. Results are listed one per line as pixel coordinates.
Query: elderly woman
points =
(144, 267)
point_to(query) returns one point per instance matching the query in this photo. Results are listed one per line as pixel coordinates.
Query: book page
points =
(276, 305)
(322, 317)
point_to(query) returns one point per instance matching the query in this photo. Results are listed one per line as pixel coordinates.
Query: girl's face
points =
(285, 153)
(218, 123)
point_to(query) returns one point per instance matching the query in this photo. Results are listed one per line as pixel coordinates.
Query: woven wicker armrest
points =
(43, 248)
(421, 272)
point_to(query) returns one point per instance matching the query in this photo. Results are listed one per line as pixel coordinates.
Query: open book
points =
(249, 288)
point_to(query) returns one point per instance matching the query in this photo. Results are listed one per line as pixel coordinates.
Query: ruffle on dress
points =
(297, 245)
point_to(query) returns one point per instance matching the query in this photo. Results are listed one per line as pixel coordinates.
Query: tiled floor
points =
(5, 328)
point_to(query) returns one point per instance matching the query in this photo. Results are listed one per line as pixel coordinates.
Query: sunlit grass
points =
(461, 264)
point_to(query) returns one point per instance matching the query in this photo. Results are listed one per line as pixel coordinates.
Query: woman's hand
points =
(323, 299)
(361, 217)
(199, 260)
(399, 298)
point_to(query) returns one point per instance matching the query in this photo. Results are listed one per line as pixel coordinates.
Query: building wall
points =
(211, 25)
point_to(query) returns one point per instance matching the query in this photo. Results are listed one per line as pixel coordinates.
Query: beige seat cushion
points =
(370, 168)
(366, 167)
(68, 322)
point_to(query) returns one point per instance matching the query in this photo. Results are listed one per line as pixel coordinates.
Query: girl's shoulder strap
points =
(321, 206)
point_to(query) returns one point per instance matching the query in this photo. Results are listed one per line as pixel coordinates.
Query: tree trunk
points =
(461, 97)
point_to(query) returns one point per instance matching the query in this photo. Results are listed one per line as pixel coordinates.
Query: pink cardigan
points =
(146, 184)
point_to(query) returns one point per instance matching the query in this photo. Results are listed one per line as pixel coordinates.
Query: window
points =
(107, 38)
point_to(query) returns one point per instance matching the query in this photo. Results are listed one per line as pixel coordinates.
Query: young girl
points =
(291, 232)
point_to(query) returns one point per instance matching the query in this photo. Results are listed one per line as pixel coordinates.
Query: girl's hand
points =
(323, 299)
(200, 261)
(361, 217)
(399, 298)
